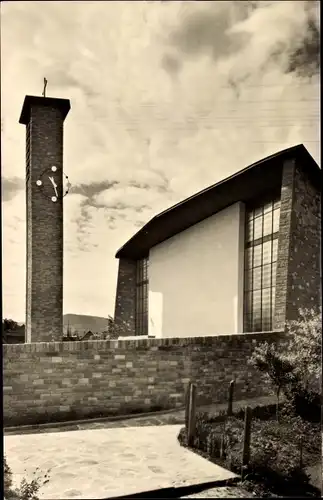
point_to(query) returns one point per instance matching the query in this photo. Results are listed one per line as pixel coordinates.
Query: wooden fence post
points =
(301, 452)
(191, 415)
(246, 436)
(187, 403)
(230, 399)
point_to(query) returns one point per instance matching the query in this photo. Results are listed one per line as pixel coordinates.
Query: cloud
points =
(273, 32)
(11, 187)
(206, 29)
(304, 57)
(14, 256)
(171, 64)
(135, 197)
(90, 190)
(166, 99)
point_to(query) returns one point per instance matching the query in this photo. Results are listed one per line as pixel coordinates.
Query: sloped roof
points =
(261, 177)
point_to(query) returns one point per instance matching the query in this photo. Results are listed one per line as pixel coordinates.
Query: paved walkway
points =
(113, 458)
(225, 492)
(103, 463)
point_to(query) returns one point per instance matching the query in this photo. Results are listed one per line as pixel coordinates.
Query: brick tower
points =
(44, 118)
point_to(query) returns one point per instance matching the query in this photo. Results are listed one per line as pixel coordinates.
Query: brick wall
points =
(298, 280)
(125, 297)
(284, 243)
(73, 380)
(304, 280)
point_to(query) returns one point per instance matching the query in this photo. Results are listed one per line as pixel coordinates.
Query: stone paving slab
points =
(103, 463)
(223, 492)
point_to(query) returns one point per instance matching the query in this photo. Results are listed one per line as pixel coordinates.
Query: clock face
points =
(51, 186)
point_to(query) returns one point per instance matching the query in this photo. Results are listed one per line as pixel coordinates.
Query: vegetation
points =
(13, 332)
(26, 490)
(279, 450)
(305, 349)
(294, 367)
(285, 438)
(9, 325)
(276, 366)
(11, 329)
(107, 334)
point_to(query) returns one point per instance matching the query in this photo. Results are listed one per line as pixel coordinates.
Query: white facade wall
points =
(196, 278)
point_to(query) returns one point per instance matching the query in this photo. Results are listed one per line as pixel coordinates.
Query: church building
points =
(243, 255)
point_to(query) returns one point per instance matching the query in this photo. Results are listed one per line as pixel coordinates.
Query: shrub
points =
(182, 437)
(279, 450)
(26, 490)
(272, 447)
(305, 349)
(276, 366)
(220, 438)
(202, 430)
(7, 475)
(306, 403)
(294, 367)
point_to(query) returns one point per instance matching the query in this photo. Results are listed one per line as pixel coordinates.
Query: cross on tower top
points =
(45, 85)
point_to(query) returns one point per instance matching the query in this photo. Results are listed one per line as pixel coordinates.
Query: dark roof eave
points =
(63, 105)
(298, 150)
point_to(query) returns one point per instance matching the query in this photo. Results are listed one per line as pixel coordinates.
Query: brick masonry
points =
(44, 283)
(304, 277)
(284, 243)
(53, 381)
(298, 278)
(125, 297)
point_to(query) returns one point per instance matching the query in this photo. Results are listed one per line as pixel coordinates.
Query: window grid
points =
(142, 297)
(262, 226)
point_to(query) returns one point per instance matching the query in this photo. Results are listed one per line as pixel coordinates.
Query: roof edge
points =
(285, 152)
(63, 104)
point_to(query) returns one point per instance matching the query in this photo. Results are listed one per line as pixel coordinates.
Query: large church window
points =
(261, 245)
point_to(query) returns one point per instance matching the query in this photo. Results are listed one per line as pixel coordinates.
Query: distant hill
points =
(83, 323)
(77, 323)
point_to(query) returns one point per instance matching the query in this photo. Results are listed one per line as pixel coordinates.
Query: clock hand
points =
(54, 185)
(52, 181)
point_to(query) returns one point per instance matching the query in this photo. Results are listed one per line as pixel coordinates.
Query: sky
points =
(167, 98)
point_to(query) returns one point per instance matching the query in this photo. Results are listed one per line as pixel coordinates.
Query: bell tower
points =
(44, 119)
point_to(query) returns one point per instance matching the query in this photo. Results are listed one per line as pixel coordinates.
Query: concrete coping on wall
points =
(147, 343)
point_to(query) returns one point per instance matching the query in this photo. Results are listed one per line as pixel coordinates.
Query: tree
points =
(276, 367)
(305, 353)
(305, 348)
(9, 325)
(294, 366)
(110, 324)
